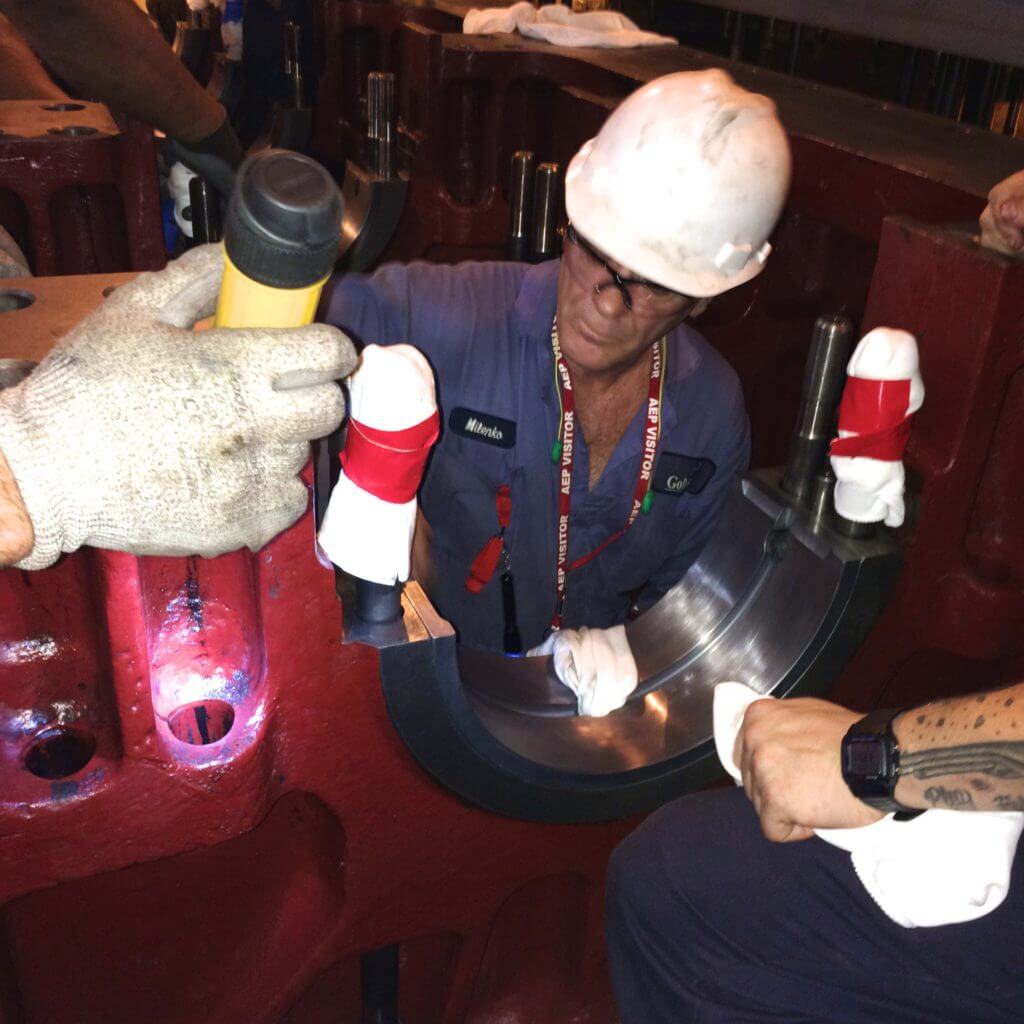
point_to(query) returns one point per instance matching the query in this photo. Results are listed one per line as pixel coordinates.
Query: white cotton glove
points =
(137, 434)
(596, 664)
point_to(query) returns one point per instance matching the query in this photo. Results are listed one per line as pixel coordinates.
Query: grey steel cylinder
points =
(520, 200)
(821, 502)
(381, 122)
(204, 203)
(855, 531)
(293, 64)
(547, 207)
(824, 377)
(377, 603)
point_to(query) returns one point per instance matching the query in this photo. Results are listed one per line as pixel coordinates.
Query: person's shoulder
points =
(701, 367)
(492, 280)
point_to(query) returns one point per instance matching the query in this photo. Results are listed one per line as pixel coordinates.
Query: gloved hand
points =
(1002, 221)
(137, 434)
(596, 664)
(215, 158)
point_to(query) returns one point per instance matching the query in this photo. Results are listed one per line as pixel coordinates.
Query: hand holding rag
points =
(596, 664)
(942, 867)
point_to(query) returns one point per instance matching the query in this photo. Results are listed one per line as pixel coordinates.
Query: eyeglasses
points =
(638, 295)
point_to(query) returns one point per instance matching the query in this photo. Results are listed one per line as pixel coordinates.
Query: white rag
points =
(596, 664)
(942, 867)
(557, 24)
(391, 389)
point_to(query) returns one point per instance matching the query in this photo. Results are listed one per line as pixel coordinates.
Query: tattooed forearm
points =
(999, 760)
(964, 753)
(1005, 802)
(955, 799)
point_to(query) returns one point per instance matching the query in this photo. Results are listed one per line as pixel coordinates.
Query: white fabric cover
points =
(391, 389)
(557, 24)
(870, 490)
(942, 867)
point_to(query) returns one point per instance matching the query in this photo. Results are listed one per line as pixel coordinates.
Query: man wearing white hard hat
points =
(589, 434)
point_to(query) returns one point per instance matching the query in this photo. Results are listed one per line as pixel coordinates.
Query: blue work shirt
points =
(486, 330)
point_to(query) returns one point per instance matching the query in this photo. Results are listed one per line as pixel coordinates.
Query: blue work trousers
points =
(709, 923)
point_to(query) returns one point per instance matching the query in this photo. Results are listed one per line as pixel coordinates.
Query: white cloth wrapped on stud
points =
(883, 390)
(393, 422)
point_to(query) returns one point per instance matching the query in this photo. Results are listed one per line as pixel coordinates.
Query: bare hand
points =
(788, 753)
(1002, 221)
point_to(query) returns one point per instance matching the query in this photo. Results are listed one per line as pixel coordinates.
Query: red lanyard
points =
(564, 448)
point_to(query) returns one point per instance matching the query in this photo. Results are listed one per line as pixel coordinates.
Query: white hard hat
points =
(684, 182)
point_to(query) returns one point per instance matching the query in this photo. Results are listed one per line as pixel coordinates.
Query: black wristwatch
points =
(871, 762)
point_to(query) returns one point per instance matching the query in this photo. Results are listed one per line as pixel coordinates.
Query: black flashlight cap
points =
(283, 224)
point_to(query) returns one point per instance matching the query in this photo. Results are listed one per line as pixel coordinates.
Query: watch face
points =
(866, 758)
(866, 766)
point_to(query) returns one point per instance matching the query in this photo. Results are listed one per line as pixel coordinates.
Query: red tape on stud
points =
(875, 411)
(388, 463)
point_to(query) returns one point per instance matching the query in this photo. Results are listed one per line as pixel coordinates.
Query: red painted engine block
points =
(239, 880)
(78, 192)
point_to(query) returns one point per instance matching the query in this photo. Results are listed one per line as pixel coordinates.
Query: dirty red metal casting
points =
(953, 624)
(147, 874)
(78, 192)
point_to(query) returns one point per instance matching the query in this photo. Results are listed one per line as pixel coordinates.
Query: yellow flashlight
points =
(281, 238)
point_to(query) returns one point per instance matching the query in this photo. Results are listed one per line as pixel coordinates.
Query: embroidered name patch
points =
(483, 426)
(681, 474)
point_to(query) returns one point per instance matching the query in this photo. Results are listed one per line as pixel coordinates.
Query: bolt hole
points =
(12, 300)
(73, 129)
(60, 751)
(64, 106)
(14, 371)
(202, 723)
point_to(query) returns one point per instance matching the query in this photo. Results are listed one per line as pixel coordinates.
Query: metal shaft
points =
(547, 207)
(520, 200)
(824, 376)
(204, 203)
(293, 64)
(378, 603)
(379, 977)
(381, 126)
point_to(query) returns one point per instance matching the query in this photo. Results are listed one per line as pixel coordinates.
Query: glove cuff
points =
(40, 490)
(215, 158)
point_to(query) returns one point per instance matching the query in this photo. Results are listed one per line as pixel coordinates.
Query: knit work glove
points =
(137, 434)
